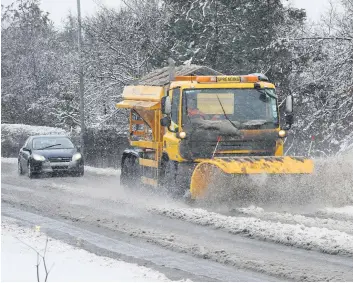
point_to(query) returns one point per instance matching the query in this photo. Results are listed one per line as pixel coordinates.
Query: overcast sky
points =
(58, 9)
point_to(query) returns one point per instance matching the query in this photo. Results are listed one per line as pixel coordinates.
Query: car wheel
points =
(30, 171)
(19, 168)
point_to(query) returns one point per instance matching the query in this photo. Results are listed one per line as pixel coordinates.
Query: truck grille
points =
(246, 145)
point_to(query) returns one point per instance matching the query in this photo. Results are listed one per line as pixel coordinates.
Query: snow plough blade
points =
(209, 172)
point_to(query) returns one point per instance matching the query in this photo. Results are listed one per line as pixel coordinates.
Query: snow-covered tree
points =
(322, 82)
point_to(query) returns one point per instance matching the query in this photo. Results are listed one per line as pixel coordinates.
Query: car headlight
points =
(76, 156)
(38, 157)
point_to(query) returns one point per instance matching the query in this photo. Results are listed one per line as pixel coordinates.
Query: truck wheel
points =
(130, 173)
(124, 173)
(170, 180)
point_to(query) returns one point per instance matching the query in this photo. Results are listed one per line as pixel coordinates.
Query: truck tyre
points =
(125, 172)
(130, 172)
(170, 179)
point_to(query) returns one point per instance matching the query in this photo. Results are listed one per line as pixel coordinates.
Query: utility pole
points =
(82, 109)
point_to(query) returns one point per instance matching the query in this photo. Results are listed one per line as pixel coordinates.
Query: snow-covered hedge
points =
(13, 136)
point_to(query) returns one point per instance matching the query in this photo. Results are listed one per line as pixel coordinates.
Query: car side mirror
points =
(166, 121)
(166, 105)
(26, 149)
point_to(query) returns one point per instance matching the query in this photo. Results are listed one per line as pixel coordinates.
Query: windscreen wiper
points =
(49, 146)
(224, 113)
(256, 123)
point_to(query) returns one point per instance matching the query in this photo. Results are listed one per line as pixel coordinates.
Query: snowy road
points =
(215, 243)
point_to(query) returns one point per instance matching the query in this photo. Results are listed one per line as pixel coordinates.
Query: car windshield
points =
(52, 143)
(246, 106)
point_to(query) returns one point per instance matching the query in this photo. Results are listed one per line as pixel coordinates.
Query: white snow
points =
(323, 239)
(333, 224)
(345, 212)
(66, 263)
(102, 171)
(31, 130)
(9, 160)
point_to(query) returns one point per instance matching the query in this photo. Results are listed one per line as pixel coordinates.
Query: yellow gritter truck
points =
(187, 129)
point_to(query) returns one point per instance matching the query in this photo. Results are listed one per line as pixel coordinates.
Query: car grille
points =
(59, 159)
(59, 167)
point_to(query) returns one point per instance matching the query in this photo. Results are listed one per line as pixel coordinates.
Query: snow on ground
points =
(9, 160)
(102, 171)
(345, 213)
(333, 224)
(346, 210)
(298, 235)
(66, 263)
(93, 170)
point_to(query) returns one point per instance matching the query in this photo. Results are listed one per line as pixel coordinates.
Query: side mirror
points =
(166, 121)
(289, 112)
(166, 104)
(289, 104)
(26, 149)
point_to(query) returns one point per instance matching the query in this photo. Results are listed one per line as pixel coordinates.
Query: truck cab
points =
(221, 116)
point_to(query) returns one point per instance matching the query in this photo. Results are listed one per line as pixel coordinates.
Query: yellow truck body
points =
(170, 150)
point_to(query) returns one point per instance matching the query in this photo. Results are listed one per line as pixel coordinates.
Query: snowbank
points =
(322, 239)
(66, 263)
(347, 210)
(345, 213)
(333, 224)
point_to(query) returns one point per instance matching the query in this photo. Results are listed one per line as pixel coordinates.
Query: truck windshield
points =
(246, 106)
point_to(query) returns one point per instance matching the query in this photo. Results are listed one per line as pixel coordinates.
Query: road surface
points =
(208, 243)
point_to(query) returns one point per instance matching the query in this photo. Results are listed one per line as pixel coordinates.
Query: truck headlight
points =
(76, 156)
(182, 135)
(38, 157)
(282, 133)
